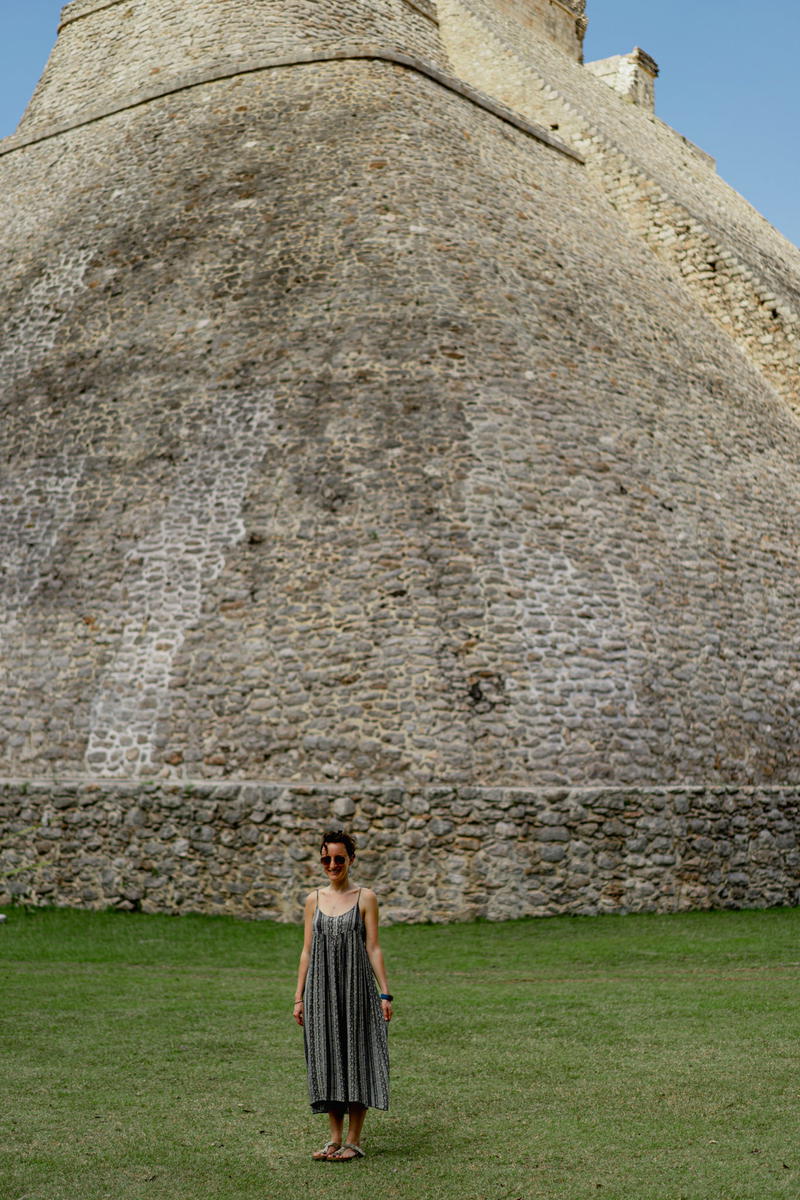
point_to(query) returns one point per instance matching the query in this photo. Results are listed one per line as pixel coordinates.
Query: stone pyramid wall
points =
(376, 450)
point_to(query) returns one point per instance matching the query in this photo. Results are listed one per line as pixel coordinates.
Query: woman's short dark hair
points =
(339, 835)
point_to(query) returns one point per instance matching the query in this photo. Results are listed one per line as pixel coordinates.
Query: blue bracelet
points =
(385, 997)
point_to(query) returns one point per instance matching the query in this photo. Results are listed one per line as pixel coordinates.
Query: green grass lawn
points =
(626, 1058)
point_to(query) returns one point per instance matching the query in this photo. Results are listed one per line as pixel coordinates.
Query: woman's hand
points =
(298, 1012)
(386, 1008)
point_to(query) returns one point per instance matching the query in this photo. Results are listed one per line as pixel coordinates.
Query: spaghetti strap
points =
(316, 907)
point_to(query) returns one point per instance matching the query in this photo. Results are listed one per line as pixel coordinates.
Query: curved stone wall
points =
(344, 481)
(354, 439)
(109, 52)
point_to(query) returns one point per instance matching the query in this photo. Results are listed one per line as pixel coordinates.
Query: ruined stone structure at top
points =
(391, 400)
(563, 22)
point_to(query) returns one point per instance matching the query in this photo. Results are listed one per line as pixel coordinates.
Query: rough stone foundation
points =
(434, 854)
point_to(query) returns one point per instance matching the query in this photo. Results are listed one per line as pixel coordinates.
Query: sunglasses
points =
(338, 859)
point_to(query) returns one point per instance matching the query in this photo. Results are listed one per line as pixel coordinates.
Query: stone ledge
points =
(184, 82)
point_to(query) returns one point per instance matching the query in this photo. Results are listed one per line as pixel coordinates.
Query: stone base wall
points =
(439, 854)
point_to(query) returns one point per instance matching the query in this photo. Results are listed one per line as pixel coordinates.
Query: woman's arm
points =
(369, 911)
(305, 955)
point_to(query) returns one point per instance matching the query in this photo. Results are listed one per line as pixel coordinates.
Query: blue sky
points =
(728, 80)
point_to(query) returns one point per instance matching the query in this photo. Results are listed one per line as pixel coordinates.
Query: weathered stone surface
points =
(491, 875)
(369, 457)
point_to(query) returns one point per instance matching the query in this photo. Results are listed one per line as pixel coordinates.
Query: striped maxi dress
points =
(345, 1035)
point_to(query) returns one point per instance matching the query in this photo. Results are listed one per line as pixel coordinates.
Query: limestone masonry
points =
(400, 427)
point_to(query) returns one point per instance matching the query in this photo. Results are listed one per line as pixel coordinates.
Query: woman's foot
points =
(327, 1152)
(348, 1152)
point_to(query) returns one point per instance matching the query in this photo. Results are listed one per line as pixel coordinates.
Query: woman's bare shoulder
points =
(368, 896)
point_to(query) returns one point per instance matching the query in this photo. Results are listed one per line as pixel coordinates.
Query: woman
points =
(343, 1017)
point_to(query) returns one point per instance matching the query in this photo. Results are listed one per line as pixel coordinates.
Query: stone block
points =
(552, 852)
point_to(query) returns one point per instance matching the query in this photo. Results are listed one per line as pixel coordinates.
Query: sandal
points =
(327, 1152)
(339, 1156)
